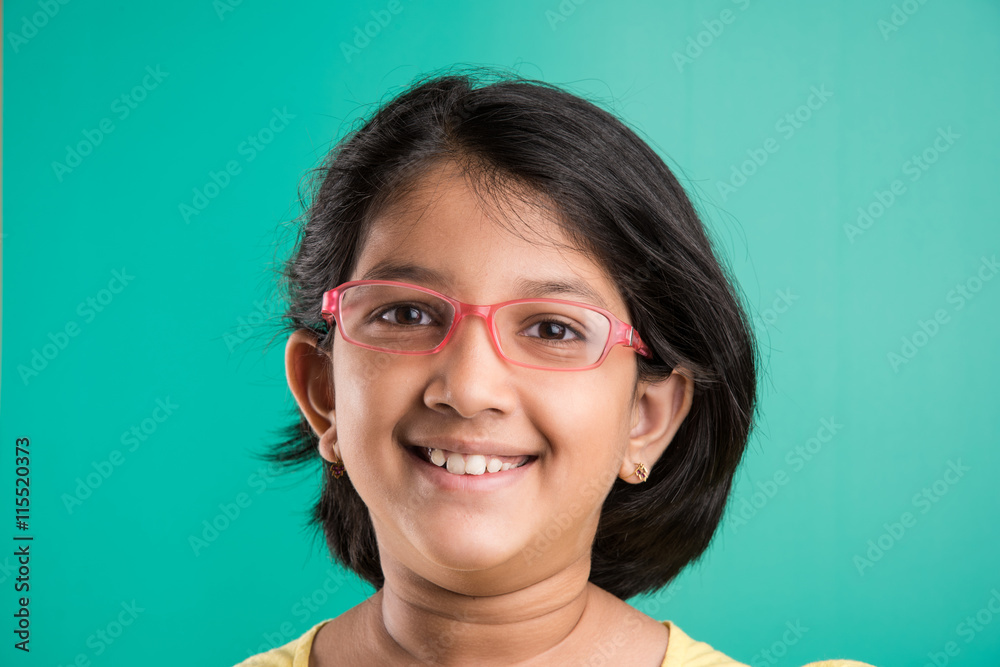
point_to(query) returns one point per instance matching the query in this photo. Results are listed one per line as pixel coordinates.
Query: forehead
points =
(443, 234)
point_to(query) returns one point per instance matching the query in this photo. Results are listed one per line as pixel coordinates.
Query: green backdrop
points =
(843, 154)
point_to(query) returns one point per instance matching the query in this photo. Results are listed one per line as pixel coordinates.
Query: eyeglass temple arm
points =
(329, 303)
(635, 342)
(630, 337)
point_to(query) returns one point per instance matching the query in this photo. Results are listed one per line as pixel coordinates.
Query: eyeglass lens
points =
(402, 319)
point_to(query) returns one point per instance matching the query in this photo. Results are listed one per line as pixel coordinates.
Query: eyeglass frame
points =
(619, 334)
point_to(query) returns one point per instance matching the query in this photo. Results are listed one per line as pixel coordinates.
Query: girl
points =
(530, 378)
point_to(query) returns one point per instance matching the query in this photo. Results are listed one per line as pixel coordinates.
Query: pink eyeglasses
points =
(549, 334)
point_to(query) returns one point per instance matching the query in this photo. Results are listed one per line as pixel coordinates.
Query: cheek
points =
(368, 404)
(584, 416)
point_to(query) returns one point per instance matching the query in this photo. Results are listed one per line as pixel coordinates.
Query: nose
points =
(465, 334)
(472, 375)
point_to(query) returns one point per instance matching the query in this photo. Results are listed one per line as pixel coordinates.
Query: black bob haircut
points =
(618, 200)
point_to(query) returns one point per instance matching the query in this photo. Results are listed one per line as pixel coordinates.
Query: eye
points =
(404, 315)
(553, 330)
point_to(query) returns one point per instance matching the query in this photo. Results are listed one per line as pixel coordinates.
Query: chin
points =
(470, 551)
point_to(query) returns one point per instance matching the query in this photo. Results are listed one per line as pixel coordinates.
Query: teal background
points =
(194, 326)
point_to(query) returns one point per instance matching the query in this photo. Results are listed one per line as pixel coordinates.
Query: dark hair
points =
(620, 202)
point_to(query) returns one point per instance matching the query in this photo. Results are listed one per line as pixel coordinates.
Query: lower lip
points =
(488, 481)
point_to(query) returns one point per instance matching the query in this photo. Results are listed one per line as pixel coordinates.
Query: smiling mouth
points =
(470, 464)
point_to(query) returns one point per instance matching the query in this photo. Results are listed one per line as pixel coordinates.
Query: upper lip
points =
(484, 447)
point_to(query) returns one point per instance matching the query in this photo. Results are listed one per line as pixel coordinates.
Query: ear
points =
(660, 408)
(310, 377)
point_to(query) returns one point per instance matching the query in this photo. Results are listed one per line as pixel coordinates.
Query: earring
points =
(641, 472)
(329, 438)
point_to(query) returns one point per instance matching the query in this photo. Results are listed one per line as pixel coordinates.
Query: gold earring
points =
(337, 469)
(641, 473)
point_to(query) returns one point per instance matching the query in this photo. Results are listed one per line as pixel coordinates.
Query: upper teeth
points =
(474, 464)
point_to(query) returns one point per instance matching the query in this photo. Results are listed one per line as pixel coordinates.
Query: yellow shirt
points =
(682, 651)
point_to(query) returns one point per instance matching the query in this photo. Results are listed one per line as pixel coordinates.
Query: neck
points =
(432, 624)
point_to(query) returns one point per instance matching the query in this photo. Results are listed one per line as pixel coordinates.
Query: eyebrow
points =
(529, 289)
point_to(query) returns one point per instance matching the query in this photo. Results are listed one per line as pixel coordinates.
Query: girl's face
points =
(479, 534)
